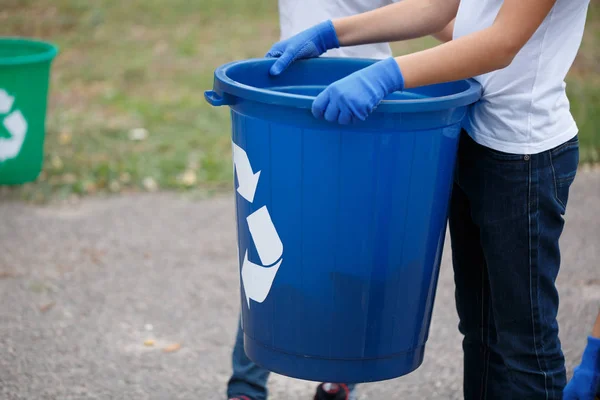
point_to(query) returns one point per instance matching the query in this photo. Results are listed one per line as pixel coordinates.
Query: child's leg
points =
(516, 203)
(248, 378)
(474, 306)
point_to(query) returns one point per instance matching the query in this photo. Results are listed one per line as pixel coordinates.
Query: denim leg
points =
(353, 394)
(248, 378)
(517, 204)
(473, 303)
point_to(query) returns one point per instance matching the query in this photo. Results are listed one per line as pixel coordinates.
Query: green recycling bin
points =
(24, 81)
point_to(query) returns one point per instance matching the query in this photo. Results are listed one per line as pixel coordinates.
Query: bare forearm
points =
(480, 52)
(407, 19)
(468, 56)
(463, 58)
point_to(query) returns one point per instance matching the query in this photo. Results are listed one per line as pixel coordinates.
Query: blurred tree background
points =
(127, 110)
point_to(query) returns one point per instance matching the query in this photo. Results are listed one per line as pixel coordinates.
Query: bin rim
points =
(224, 85)
(47, 51)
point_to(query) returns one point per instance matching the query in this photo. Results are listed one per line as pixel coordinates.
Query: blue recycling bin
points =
(340, 228)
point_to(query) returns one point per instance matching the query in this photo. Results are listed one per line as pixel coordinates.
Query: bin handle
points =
(216, 99)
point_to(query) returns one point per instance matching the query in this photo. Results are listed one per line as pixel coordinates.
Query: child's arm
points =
(357, 95)
(475, 54)
(445, 35)
(407, 19)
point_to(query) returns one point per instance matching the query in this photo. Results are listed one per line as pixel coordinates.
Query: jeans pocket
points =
(564, 161)
(506, 157)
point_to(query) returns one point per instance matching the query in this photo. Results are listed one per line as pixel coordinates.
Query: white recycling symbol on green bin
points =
(257, 279)
(16, 126)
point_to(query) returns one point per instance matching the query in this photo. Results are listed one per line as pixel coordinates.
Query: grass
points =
(127, 110)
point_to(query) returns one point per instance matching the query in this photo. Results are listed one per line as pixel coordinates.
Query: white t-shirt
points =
(524, 108)
(298, 15)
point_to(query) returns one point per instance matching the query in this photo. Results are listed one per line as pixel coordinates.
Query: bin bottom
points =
(19, 176)
(333, 370)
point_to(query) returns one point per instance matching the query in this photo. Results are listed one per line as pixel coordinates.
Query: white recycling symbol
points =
(257, 279)
(15, 124)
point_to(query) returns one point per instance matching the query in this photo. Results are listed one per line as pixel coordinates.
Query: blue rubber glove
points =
(357, 95)
(310, 43)
(585, 383)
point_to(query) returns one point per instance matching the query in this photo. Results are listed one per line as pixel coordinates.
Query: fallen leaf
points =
(95, 255)
(150, 184)
(65, 137)
(149, 343)
(188, 178)
(56, 162)
(114, 186)
(37, 287)
(138, 134)
(46, 307)
(125, 177)
(90, 187)
(7, 274)
(69, 178)
(172, 348)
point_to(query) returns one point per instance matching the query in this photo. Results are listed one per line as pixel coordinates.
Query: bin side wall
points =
(362, 217)
(28, 85)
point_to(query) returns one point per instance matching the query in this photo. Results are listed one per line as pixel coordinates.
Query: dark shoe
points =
(332, 391)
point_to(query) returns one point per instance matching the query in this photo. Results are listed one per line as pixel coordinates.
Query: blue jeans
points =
(248, 378)
(505, 223)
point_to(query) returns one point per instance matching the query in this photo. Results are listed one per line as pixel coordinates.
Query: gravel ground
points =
(83, 286)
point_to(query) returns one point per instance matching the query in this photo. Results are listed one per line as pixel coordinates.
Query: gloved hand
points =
(307, 44)
(585, 383)
(356, 96)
